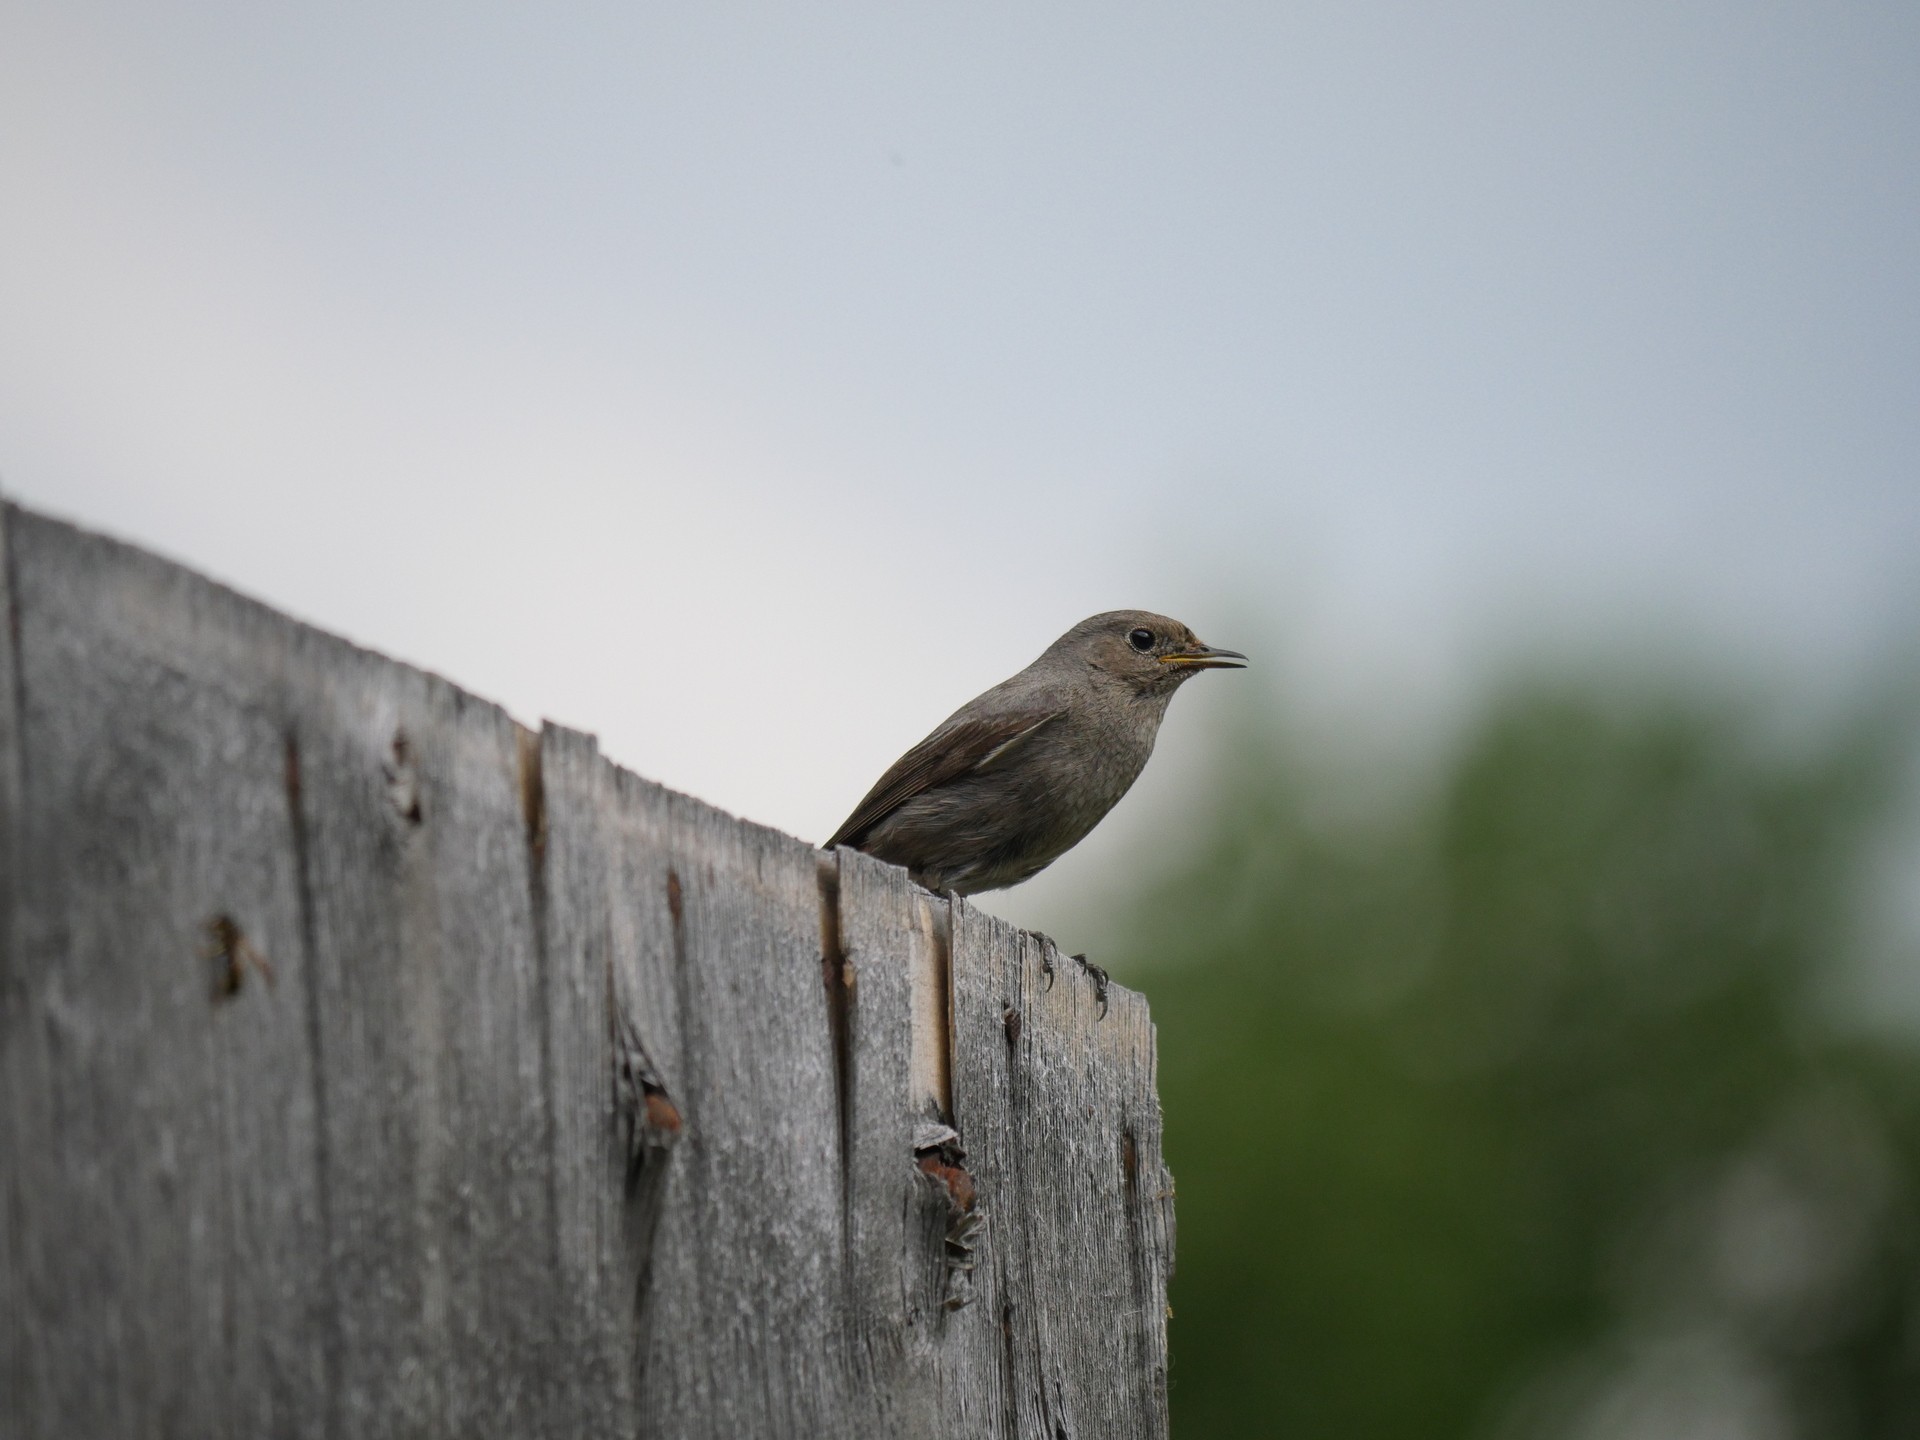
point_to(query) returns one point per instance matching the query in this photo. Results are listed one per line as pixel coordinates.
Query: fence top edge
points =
(23, 520)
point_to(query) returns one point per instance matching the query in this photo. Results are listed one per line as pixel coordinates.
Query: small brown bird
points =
(1016, 777)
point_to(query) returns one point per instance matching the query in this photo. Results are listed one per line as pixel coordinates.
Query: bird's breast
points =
(1079, 772)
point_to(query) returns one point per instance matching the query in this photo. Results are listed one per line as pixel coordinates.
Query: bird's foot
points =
(1100, 980)
(1048, 945)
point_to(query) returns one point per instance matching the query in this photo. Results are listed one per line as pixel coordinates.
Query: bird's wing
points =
(943, 757)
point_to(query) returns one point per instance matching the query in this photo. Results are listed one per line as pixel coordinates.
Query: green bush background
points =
(1517, 1102)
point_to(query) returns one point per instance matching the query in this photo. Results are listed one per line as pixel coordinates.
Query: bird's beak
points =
(1205, 657)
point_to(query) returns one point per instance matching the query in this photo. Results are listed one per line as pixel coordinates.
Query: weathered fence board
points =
(375, 1066)
(161, 1142)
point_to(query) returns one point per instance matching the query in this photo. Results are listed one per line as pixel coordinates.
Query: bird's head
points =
(1149, 652)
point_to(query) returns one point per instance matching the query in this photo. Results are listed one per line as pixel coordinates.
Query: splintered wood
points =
(370, 1065)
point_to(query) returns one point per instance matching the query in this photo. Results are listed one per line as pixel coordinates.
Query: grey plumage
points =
(1017, 776)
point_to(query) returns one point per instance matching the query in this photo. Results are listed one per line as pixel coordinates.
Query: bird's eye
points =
(1141, 640)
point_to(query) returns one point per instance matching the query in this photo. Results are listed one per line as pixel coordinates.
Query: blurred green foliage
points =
(1517, 1107)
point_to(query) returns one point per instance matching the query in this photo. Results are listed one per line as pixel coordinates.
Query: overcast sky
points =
(752, 384)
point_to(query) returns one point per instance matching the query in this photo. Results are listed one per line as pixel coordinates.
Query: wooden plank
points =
(610, 893)
(161, 1130)
(1148, 1195)
(734, 1235)
(1088, 1116)
(873, 932)
(601, 1252)
(981, 1389)
(748, 1257)
(896, 1215)
(1054, 1101)
(431, 1031)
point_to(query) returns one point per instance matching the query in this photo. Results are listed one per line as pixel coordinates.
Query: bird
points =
(1020, 774)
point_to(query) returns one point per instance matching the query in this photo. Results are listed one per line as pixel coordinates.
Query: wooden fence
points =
(371, 1065)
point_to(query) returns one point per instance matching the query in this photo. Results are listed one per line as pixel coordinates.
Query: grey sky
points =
(751, 385)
